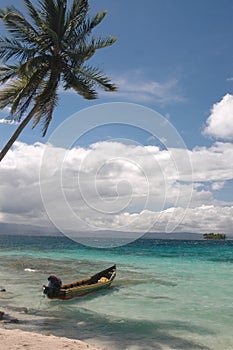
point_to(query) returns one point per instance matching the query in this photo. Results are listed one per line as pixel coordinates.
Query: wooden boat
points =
(97, 282)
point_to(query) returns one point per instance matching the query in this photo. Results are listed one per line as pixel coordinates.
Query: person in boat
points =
(54, 285)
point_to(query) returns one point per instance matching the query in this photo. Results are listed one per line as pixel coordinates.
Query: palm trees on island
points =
(43, 50)
(217, 236)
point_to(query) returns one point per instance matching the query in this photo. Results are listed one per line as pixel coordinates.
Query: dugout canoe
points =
(97, 282)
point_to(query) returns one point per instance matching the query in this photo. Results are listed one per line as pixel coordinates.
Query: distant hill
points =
(28, 230)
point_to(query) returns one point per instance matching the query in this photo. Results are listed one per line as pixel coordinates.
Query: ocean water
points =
(168, 294)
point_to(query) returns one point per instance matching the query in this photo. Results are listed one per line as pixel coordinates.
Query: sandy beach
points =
(12, 338)
(17, 339)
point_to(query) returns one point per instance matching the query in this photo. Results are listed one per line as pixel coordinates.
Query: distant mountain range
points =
(30, 230)
(27, 230)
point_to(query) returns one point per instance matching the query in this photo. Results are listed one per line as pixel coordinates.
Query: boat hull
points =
(97, 282)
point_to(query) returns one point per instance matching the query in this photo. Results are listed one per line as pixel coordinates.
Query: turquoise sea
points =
(168, 294)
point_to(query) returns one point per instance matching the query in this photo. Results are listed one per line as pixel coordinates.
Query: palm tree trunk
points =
(17, 133)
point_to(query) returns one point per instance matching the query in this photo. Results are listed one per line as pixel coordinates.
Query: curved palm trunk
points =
(16, 133)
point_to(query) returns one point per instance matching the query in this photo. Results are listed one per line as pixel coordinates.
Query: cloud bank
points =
(114, 186)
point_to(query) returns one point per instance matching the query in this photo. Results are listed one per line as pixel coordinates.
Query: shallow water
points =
(167, 294)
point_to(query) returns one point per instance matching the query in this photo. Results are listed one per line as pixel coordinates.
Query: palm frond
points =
(10, 92)
(11, 48)
(18, 26)
(97, 77)
(54, 12)
(49, 114)
(98, 18)
(8, 72)
(33, 64)
(19, 92)
(77, 13)
(35, 38)
(103, 42)
(46, 100)
(83, 29)
(61, 10)
(34, 14)
(75, 17)
(29, 90)
(79, 55)
(47, 88)
(45, 112)
(80, 83)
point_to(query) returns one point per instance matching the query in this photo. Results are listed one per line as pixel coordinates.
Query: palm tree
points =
(43, 51)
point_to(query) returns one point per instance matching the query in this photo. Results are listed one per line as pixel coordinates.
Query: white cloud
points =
(216, 186)
(205, 218)
(8, 121)
(220, 121)
(115, 186)
(135, 87)
(213, 163)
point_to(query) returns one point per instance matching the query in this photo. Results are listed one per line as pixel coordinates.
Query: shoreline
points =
(12, 338)
(13, 333)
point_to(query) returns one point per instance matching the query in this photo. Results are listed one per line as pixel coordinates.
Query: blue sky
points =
(184, 45)
(174, 57)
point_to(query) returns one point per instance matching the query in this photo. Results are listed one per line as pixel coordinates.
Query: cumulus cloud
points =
(114, 186)
(220, 122)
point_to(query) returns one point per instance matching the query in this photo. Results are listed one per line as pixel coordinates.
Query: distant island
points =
(214, 236)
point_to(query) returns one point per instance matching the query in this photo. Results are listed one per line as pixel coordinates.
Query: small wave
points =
(28, 269)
